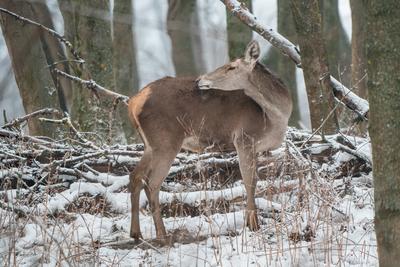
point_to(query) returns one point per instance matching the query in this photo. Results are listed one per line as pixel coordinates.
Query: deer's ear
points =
(252, 53)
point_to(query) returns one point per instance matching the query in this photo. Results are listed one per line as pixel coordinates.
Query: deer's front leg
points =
(247, 164)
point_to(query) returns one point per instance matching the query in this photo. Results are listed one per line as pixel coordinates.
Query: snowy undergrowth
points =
(313, 211)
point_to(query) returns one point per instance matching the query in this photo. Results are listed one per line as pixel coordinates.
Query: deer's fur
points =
(240, 106)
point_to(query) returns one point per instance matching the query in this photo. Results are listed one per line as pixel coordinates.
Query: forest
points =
(199, 133)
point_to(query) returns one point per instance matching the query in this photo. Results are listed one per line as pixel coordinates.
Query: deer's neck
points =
(272, 98)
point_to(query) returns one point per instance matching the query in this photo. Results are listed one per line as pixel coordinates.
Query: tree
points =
(283, 66)
(336, 41)
(307, 19)
(238, 34)
(383, 54)
(181, 30)
(124, 60)
(28, 57)
(55, 55)
(358, 47)
(87, 27)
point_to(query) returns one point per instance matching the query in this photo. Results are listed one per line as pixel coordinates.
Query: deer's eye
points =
(232, 67)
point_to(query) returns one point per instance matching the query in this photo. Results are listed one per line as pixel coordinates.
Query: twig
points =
(45, 111)
(72, 160)
(11, 134)
(67, 121)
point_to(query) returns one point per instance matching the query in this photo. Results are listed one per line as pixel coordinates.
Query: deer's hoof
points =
(252, 221)
(166, 240)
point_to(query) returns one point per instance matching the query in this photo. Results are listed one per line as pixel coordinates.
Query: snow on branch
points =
(341, 92)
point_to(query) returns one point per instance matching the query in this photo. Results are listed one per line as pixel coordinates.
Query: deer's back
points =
(172, 109)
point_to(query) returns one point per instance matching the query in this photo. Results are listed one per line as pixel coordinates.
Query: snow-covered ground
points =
(315, 209)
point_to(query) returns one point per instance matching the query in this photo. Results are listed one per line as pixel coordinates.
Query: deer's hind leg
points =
(160, 164)
(136, 178)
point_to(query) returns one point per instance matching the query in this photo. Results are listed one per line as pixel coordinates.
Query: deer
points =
(240, 107)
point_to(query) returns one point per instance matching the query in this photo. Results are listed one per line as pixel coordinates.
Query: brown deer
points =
(240, 106)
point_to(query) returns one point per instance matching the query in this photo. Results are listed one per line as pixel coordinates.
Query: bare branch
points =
(92, 85)
(48, 30)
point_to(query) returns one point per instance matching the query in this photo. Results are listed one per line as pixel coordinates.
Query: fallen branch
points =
(341, 92)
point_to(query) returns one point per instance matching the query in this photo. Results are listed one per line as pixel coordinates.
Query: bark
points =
(336, 41)
(55, 55)
(28, 59)
(283, 65)
(124, 60)
(181, 30)
(307, 18)
(383, 55)
(239, 35)
(359, 105)
(87, 24)
(358, 48)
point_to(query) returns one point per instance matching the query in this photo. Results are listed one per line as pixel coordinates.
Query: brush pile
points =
(66, 201)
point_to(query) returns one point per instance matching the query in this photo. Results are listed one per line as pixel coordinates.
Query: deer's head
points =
(234, 75)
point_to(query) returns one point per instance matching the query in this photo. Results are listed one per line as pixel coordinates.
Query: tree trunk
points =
(358, 48)
(28, 59)
(55, 55)
(283, 66)
(307, 19)
(336, 41)
(124, 60)
(87, 24)
(383, 54)
(239, 35)
(181, 30)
